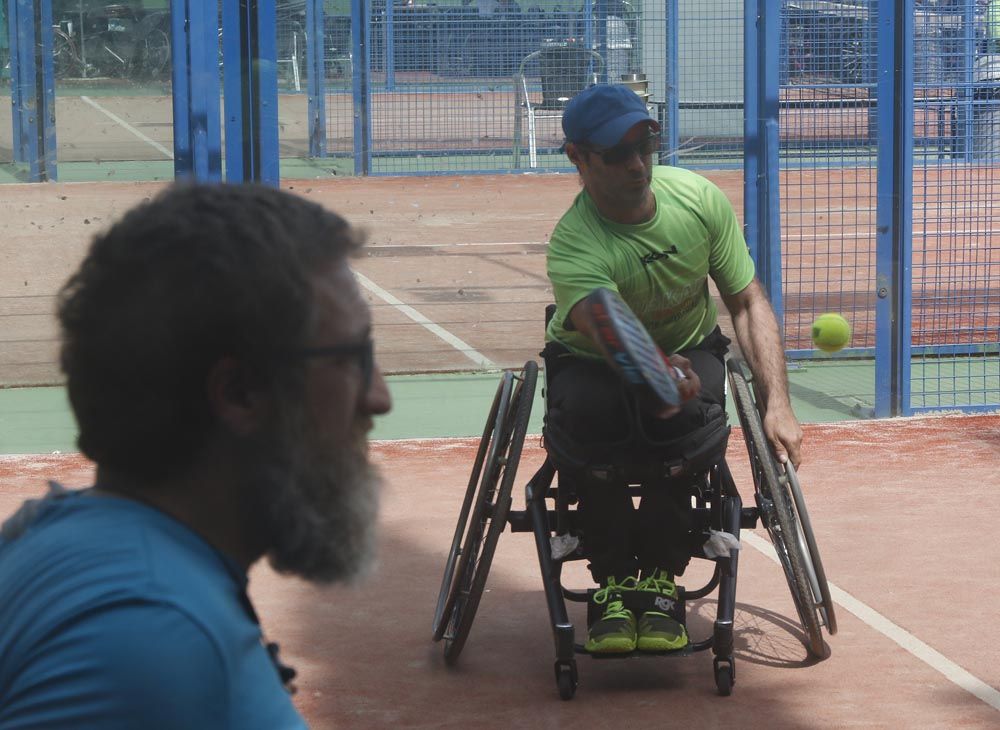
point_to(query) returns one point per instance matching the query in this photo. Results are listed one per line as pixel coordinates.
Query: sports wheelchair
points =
(716, 508)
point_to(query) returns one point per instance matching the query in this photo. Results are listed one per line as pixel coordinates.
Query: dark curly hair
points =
(199, 273)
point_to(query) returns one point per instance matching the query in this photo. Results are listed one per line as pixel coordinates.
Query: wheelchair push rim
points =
(807, 539)
(795, 550)
(489, 515)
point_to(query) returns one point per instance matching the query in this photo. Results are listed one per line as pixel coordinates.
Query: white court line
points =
(460, 345)
(929, 656)
(115, 118)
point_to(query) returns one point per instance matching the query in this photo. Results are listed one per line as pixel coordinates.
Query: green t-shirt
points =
(660, 268)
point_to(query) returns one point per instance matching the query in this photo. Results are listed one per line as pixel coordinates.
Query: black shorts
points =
(588, 403)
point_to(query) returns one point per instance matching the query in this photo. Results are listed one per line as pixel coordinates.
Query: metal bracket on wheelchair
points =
(749, 517)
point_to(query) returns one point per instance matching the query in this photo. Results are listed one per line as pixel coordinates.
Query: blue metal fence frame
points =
(762, 204)
(195, 75)
(32, 83)
(672, 91)
(316, 76)
(361, 82)
(250, 79)
(894, 209)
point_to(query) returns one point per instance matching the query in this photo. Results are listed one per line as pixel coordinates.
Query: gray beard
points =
(317, 508)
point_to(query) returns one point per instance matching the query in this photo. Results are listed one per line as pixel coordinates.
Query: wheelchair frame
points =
(486, 512)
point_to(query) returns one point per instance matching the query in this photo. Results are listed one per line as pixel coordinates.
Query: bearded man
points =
(218, 360)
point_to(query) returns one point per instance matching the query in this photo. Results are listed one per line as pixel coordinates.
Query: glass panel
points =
(114, 117)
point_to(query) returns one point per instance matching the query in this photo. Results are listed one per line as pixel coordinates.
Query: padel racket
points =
(631, 351)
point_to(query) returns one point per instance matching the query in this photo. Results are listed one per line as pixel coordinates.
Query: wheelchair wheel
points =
(791, 536)
(484, 517)
(488, 445)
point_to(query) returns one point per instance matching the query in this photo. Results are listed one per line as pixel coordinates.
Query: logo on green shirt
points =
(657, 255)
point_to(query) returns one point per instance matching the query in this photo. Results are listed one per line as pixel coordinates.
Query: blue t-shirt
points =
(115, 615)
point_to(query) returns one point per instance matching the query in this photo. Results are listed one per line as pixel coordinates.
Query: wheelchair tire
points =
(489, 512)
(488, 445)
(817, 575)
(779, 516)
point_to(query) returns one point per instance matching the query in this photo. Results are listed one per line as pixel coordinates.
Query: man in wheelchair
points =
(654, 235)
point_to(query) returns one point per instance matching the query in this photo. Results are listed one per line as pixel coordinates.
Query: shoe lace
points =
(659, 583)
(611, 595)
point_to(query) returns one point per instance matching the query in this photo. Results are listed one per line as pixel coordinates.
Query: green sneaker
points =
(658, 631)
(614, 631)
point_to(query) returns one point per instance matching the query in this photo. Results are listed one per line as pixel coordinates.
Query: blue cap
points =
(603, 113)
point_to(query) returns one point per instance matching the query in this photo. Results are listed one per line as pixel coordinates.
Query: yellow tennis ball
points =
(831, 332)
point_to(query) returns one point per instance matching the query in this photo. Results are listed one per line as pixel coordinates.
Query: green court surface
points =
(38, 420)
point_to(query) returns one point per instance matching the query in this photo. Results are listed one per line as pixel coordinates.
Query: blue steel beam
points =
(250, 79)
(894, 215)
(767, 214)
(33, 87)
(316, 81)
(672, 95)
(753, 148)
(195, 77)
(360, 82)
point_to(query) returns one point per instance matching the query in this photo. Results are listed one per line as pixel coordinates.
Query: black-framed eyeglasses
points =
(363, 352)
(623, 152)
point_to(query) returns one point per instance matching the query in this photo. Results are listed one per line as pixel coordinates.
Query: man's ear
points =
(574, 153)
(236, 399)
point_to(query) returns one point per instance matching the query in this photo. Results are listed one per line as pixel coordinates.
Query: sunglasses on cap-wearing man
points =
(623, 152)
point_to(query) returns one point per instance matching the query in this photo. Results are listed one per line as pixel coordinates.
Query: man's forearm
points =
(757, 333)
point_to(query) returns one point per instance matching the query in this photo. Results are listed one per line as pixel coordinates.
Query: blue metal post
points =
(361, 74)
(673, 81)
(894, 214)
(753, 149)
(600, 38)
(316, 83)
(390, 47)
(33, 87)
(964, 92)
(234, 31)
(266, 63)
(250, 76)
(16, 103)
(903, 258)
(47, 93)
(195, 75)
(768, 258)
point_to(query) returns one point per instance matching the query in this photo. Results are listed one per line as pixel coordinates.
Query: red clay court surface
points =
(903, 509)
(903, 512)
(468, 254)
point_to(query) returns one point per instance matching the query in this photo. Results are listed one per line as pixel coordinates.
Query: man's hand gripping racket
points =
(661, 384)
